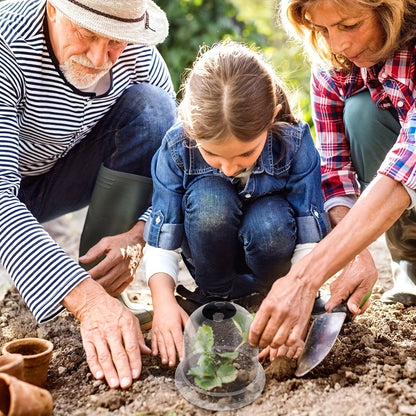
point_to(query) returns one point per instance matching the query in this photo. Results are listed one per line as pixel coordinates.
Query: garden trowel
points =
(321, 336)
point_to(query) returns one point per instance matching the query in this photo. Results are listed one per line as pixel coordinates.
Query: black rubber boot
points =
(117, 201)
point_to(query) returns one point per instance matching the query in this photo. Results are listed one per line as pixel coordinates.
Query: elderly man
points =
(86, 99)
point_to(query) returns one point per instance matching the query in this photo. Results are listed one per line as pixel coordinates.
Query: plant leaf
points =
(207, 364)
(243, 322)
(228, 355)
(226, 373)
(204, 340)
(207, 383)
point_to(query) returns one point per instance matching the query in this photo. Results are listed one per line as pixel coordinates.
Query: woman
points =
(363, 96)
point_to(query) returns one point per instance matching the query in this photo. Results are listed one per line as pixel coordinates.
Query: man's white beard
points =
(79, 78)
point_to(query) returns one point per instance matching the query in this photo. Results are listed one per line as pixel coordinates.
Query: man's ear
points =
(50, 11)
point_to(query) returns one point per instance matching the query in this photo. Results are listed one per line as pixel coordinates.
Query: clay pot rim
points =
(12, 356)
(26, 341)
(12, 363)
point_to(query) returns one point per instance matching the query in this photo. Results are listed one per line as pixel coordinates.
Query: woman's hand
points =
(283, 316)
(354, 282)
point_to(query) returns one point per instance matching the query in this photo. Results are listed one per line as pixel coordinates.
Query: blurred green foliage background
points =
(197, 22)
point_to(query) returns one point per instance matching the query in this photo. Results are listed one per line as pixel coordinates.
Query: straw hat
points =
(133, 21)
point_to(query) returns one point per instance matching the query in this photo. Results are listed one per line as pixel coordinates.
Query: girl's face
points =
(355, 33)
(232, 156)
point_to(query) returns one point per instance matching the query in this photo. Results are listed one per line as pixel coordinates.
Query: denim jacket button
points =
(157, 220)
(247, 196)
(315, 213)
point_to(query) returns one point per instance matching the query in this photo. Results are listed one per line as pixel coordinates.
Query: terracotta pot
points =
(37, 353)
(18, 398)
(12, 364)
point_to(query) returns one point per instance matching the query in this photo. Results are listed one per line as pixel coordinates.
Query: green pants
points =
(371, 133)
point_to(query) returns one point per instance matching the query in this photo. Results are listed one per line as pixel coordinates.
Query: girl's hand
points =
(167, 331)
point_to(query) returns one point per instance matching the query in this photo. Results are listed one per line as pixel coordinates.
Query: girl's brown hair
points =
(396, 17)
(231, 90)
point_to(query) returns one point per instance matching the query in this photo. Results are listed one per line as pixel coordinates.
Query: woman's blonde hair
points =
(396, 17)
(231, 90)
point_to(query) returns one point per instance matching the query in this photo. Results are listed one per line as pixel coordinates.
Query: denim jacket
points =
(295, 175)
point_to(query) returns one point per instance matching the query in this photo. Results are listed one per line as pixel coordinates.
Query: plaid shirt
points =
(390, 85)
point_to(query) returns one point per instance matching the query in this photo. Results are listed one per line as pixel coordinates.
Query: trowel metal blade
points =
(321, 337)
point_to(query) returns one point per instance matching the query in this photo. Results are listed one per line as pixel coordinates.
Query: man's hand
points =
(283, 316)
(113, 272)
(110, 333)
(354, 282)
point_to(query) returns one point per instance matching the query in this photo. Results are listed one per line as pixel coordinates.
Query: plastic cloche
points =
(219, 369)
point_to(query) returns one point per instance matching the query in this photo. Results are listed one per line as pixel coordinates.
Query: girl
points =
(236, 189)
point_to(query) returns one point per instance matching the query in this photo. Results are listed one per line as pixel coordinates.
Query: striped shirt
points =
(391, 86)
(41, 118)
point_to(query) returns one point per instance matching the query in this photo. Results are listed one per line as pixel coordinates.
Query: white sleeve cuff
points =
(159, 260)
(301, 250)
(345, 201)
(412, 194)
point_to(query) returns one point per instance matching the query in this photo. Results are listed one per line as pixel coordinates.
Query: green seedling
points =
(214, 369)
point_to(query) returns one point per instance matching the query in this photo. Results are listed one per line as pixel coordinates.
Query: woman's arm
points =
(285, 312)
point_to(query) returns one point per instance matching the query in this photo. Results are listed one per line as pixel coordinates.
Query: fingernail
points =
(113, 382)
(135, 373)
(99, 375)
(170, 363)
(125, 381)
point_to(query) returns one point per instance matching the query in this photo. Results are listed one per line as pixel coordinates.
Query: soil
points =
(371, 370)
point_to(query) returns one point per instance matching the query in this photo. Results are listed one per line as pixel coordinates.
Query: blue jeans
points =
(234, 246)
(124, 140)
